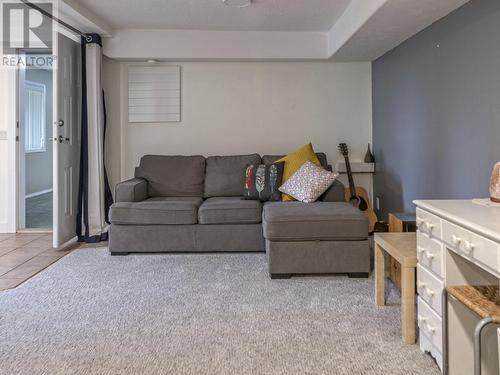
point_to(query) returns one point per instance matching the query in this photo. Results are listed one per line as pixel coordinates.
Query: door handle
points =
(62, 139)
(60, 123)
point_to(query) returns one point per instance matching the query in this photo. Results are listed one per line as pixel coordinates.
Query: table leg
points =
(408, 304)
(379, 275)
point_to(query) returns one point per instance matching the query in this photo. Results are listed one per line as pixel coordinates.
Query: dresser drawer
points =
(428, 223)
(430, 254)
(429, 288)
(471, 246)
(430, 324)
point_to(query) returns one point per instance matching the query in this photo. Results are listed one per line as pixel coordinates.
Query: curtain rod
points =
(47, 14)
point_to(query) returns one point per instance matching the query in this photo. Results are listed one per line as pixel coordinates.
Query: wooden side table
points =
(402, 222)
(403, 248)
(399, 222)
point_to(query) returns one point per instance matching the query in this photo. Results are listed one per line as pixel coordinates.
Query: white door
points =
(66, 140)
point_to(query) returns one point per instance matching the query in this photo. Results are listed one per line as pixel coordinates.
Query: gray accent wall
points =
(436, 110)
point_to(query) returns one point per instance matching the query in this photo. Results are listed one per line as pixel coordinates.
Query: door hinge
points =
(17, 124)
(17, 138)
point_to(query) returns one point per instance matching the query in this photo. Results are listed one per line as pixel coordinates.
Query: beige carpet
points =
(197, 314)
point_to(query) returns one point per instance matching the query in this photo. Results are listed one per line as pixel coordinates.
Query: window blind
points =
(154, 94)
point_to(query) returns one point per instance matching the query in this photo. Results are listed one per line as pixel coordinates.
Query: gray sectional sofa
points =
(194, 204)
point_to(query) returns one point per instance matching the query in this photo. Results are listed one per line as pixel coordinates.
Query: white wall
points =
(219, 45)
(245, 107)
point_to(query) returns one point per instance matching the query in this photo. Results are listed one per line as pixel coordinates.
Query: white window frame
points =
(28, 145)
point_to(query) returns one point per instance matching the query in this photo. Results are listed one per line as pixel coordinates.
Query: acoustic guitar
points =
(357, 196)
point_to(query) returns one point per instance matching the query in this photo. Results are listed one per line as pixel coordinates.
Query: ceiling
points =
(387, 28)
(173, 30)
(213, 15)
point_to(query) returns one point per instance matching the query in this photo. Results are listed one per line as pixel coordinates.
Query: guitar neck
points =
(352, 188)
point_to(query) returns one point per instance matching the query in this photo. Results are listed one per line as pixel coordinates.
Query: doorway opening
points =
(35, 148)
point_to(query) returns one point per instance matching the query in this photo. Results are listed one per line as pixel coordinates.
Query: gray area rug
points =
(91, 313)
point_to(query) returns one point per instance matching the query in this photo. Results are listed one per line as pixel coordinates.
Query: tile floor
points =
(23, 255)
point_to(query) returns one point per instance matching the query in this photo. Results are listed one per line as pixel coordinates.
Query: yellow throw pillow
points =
(294, 161)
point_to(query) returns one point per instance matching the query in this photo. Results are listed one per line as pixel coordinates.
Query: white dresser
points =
(468, 230)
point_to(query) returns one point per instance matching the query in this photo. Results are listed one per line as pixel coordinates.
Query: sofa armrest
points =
(133, 190)
(335, 193)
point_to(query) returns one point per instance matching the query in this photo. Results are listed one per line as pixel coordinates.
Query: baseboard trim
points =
(36, 194)
(4, 227)
(35, 230)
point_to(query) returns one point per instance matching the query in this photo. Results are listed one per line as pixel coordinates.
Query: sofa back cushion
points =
(172, 176)
(225, 175)
(269, 159)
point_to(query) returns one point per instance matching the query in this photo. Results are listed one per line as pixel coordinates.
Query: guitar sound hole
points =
(359, 202)
(363, 206)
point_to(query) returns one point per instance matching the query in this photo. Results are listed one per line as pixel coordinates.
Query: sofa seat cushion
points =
(230, 210)
(327, 221)
(197, 201)
(156, 211)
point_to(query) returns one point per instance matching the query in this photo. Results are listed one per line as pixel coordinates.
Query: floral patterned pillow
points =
(308, 183)
(262, 182)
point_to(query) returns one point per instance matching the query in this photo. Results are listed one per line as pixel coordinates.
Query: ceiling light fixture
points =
(237, 3)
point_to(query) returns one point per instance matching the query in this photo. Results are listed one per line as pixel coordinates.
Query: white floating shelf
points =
(356, 167)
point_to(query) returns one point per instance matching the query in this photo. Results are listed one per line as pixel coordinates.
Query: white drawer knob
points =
(421, 319)
(430, 255)
(420, 249)
(430, 292)
(431, 329)
(455, 239)
(420, 284)
(468, 246)
(430, 227)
